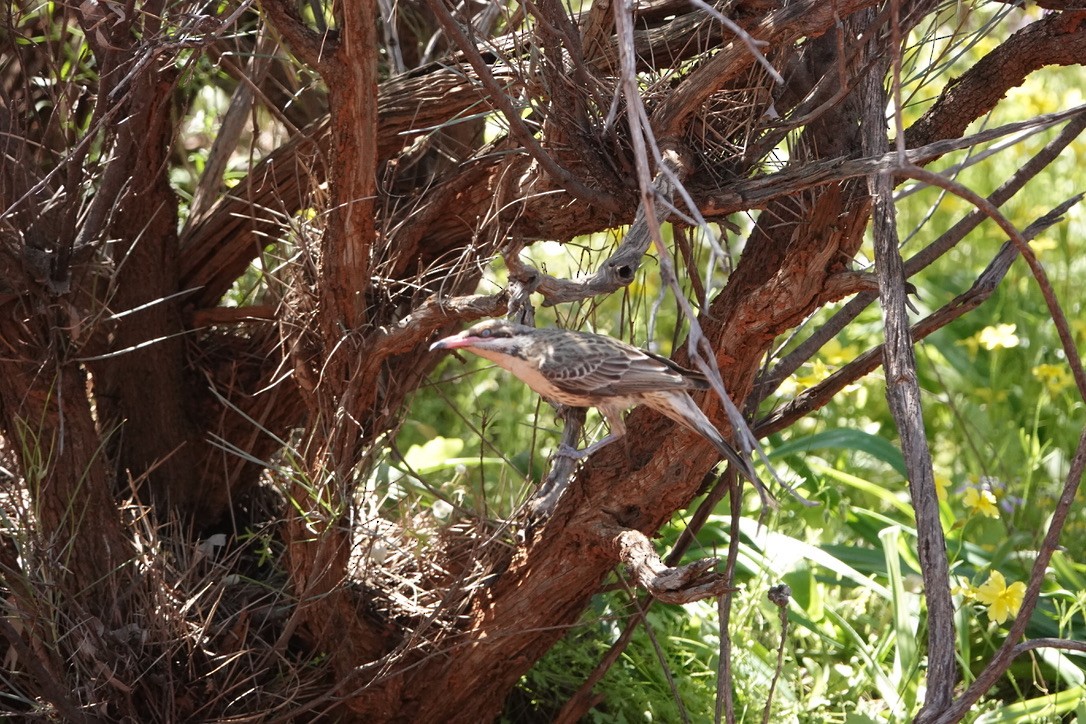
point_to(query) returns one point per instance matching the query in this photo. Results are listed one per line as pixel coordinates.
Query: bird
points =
(580, 369)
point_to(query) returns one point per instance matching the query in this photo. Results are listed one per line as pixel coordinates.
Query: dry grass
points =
(204, 637)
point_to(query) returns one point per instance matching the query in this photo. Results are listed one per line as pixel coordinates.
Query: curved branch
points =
(621, 267)
(435, 314)
(1020, 241)
(683, 584)
(926, 256)
(1058, 39)
(819, 395)
(1048, 643)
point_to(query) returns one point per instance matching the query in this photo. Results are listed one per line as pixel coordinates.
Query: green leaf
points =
(846, 439)
(434, 454)
(1032, 710)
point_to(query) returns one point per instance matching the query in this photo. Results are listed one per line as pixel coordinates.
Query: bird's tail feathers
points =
(684, 411)
(743, 466)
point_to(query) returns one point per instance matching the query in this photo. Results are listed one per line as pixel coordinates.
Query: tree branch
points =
(434, 314)
(1056, 39)
(516, 124)
(1063, 329)
(306, 45)
(791, 362)
(819, 395)
(903, 395)
(684, 584)
(218, 250)
(620, 269)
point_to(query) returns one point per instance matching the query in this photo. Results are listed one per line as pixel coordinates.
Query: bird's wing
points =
(692, 380)
(595, 365)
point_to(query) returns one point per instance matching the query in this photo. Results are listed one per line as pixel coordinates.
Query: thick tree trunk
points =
(144, 395)
(137, 353)
(44, 413)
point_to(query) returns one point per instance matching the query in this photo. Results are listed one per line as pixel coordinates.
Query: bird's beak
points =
(454, 342)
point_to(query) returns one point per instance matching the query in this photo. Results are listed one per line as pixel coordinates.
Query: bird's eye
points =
(485, 333)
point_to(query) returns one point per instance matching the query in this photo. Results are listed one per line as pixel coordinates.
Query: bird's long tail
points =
(684, 411)
(742, 465)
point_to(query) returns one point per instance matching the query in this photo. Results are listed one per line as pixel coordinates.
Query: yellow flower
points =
(1043, 244)
(980, 501)
(971, 343)
(1003, 601)
(837, 354)
(987, 394)
(1055, 377)
(942, 482)
(819, 371)
(1078, 326)
(1001, 336)
(963, 588)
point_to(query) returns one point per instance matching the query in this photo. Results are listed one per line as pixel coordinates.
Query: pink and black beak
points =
(456, 341)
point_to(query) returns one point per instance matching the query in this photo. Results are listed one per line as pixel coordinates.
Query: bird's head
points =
(493, 335)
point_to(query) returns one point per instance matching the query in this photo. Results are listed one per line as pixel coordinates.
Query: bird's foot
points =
(568, 451)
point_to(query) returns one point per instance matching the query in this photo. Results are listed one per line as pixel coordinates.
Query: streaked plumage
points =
(590, 370)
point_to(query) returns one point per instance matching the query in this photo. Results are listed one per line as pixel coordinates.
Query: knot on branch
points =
(620, 269)
(523, 281)
(682, 584)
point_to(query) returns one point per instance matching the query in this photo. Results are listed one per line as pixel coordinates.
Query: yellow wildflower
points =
(1056, 378)
(942, 482)
(837, 354)
(819, 371)
(1003, 601)
(1000, 336)
(1042, 244)
(988, 395)
(971, 343)
(963, 588)
(1078, 326)
(980, 501)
